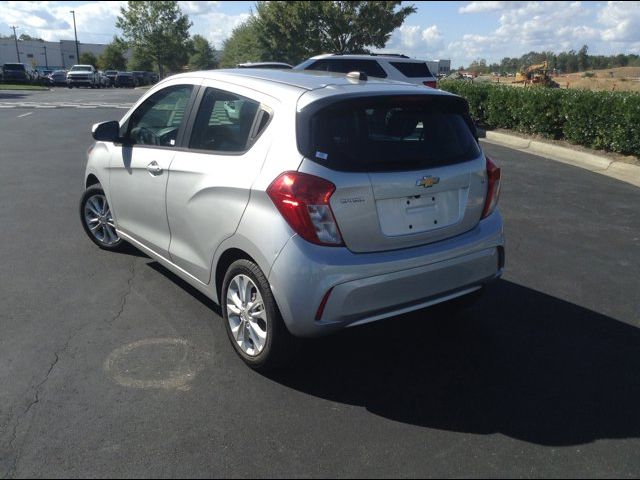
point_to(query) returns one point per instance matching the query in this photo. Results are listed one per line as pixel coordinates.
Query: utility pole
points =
(76, 35)
(15, 37)
(46, 61)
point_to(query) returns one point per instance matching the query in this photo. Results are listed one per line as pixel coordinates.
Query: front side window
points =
(158, 120)
(224, 122)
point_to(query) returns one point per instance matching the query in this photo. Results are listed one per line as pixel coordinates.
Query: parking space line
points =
(25, 114)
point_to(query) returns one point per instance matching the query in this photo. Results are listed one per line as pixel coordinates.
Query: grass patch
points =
(9, 86)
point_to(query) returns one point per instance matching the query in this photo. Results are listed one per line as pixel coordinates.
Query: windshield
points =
(81, 69)
(391, 133)
(13, 67)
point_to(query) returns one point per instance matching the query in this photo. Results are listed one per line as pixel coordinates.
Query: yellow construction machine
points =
(535, 75)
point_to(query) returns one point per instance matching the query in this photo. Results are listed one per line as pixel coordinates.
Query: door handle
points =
(154, 169)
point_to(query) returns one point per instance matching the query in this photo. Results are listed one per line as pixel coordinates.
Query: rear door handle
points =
(154, 169)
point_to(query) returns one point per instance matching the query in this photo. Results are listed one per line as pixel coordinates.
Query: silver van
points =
(325, 201)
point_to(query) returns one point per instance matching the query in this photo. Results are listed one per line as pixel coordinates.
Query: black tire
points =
(280, 345)
(88, 193)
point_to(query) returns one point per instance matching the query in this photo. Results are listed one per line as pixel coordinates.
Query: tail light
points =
(493, 190)
(303, 201)
(430, 83)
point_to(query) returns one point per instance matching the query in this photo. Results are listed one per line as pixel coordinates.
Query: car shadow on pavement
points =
(202, 298)
(523, 363)
(11, 96)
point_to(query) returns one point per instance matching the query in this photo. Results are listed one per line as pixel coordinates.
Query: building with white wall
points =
(439, 66)
(41, 54)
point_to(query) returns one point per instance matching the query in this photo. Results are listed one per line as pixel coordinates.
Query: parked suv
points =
(17, 72)
(392, 67)
(328, 202)
(125, 79)
(83, 75)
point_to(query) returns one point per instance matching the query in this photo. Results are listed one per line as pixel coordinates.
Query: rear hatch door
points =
(407, 169)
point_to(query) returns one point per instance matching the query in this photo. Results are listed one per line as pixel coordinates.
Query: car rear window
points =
(13, 67)
(389, 134)
(412, 69)
(371, 67)
(81, 69)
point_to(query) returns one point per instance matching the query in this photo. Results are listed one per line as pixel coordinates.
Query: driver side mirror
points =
(106, 131)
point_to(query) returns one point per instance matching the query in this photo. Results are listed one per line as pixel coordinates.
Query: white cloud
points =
(538, 26)
(432, 36)
(96, 20)
(479, 7)
(53, 21)
(622, 20)
(217, 27)
(198, 8)
(415, 41)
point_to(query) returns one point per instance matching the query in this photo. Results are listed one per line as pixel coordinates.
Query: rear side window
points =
(371, 67)
(224, 122)
(412, 69)
(389, 133)
(13, 67)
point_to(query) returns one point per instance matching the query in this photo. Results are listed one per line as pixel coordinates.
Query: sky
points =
(460, 31)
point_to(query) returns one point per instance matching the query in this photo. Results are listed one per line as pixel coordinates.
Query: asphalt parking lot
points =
(110, 366)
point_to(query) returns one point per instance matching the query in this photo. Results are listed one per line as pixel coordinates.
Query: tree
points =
(88, 58)
(113, 56)
(583, 58)
(293, 31)
(242, 46)
(203, 56)
(140, 61)
(158, 30)
(26, 37)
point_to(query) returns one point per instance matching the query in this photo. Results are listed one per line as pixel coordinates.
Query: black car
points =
(125, 79)
(150, 78)
(139, 78)
(111, 75)
(17, 72)
(59, 77)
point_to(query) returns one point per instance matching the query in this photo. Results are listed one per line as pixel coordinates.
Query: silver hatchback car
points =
(326, 201)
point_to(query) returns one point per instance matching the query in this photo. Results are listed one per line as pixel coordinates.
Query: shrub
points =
(601, 120)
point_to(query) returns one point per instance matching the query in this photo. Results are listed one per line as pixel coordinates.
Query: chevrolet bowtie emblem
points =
(427, 182)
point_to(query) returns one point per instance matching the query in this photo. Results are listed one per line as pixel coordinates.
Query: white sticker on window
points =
(172, 142)
(322, 155)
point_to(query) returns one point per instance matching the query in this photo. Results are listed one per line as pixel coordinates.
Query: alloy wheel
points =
(246, 315)
(97, 216)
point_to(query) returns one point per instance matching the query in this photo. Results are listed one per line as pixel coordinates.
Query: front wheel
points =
(252, 319)
(97, 219)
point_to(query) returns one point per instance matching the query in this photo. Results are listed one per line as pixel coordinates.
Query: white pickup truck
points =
(83, 75)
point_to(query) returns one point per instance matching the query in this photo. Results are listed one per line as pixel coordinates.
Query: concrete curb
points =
(625, 172)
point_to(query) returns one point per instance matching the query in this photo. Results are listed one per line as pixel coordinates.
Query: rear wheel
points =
(97, 219)
(252, 319)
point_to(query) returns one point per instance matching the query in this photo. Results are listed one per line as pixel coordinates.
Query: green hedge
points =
(602, 120)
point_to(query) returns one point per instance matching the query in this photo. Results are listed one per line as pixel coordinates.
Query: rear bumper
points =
(372, 286)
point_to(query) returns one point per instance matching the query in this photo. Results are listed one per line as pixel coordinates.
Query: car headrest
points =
(402, 123)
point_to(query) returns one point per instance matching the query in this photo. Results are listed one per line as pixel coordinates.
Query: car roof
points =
(257, 64)
(294, 83)
(376, 56)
